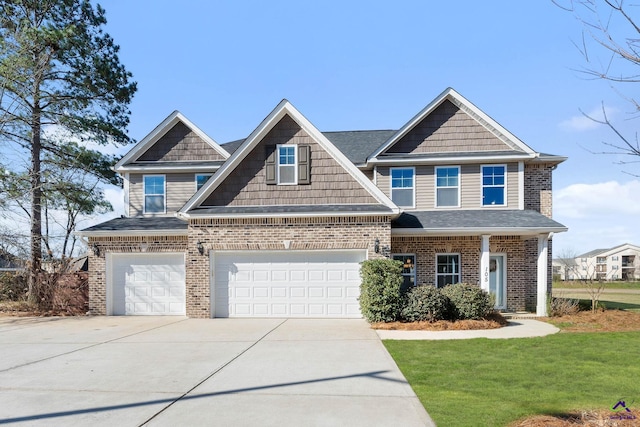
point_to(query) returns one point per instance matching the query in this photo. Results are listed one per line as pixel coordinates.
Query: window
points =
(493, 184)
(447, 269)
(614, 258)
(201, 179)
(402, 187)
(601, 260)
(287, 164)
(154, 194)
(614, 267)
(447, 186)
(408, 269)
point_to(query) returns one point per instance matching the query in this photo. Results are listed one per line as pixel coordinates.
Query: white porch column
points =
(543, 247)
(484, 262)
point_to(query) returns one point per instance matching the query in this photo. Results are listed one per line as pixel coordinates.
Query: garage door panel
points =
(147, 284)
(287, 283)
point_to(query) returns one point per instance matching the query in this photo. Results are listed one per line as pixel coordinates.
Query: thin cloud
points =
(598, 215)
(588, 121)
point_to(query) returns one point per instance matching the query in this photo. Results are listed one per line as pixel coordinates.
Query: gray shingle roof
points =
(461, 219)
(357, 145)
(592, 253)
(280, 209)
(145, 224)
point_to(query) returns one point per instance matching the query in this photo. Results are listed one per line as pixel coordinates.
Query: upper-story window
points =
(154, 194)
(493, 185)
(201, 179)
(448, 186)
(402, 187)
(287, 165)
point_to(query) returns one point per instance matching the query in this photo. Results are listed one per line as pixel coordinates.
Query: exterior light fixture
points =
(376, 246)
(96, 249)
(200, 247)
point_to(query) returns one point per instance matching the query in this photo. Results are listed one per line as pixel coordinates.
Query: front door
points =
(497, 282)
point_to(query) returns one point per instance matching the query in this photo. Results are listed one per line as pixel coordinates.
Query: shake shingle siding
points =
(330, 182)
(448, 129)
(180, 144)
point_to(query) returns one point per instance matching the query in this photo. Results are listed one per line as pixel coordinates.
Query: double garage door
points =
(244, 284)
(287, 283)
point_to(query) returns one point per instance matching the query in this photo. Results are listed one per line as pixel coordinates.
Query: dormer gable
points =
(174, 140)
(451, 124)
(257, 176)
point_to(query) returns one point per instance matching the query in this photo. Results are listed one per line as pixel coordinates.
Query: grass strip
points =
(484, 382)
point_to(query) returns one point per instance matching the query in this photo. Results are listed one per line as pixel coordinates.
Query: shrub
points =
(380, 290)
(425, 303)
(563, 306)
(469, 301)
(13, 286)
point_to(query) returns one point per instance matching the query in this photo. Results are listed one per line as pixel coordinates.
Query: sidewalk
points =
(517, 328)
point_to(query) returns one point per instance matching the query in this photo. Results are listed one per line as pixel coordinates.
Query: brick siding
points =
(270, 234)
(122, 244)
(537, 188)
(521, 255)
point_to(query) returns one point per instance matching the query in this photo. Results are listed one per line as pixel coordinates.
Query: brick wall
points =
(521, 262)
(537, 188)
(122, 244)
(271, 234)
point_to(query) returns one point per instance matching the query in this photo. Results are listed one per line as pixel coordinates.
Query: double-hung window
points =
(493, 185)
(408, 269)
(403, 187)
(201, 179)
(448, 186)
(154, 194)
(447, 269)
(287, 164)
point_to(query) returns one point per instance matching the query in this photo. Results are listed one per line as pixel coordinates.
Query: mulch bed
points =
(599, 418)
(600, 321)
(494, 321)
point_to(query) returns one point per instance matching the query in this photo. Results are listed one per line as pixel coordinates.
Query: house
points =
(621, 262)
(276, 224)
(10, 262)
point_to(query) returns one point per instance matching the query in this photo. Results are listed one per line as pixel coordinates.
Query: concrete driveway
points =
(168, 371)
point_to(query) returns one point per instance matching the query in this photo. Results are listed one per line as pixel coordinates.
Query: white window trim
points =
(415, 266)
(448, 274)
(208, 175)
(435, 186)
(295, 164)
(144, 194)
(413, 188)
(126, 190)
(506, 170)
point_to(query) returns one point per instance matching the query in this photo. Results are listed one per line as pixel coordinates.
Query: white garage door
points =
(148, 284)
(287, 283)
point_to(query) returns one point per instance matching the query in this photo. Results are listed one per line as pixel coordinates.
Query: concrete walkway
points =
(168, 371)
(517, 328)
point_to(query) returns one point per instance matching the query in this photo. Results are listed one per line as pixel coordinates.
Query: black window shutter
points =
(270, 167)
(304, 164)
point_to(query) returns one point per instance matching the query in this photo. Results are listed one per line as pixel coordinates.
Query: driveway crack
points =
(212, 374)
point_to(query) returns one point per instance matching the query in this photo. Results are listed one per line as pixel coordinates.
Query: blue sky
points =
(349, 65)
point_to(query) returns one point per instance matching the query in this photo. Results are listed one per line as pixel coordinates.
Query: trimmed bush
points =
(469, 301)
(425, 303)
(380, 298)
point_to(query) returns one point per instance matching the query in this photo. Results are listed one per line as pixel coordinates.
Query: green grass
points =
(485, 382)
(609, 299)
(609, 285)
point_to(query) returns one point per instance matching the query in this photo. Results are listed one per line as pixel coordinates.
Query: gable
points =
(448, 129)
(329, 184)
(180, 143)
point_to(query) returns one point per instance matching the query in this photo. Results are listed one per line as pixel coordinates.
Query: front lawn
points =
(577, 284)
(485, 382)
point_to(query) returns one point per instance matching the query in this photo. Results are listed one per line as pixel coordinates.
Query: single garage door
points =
(148, 284)
(287, 283)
